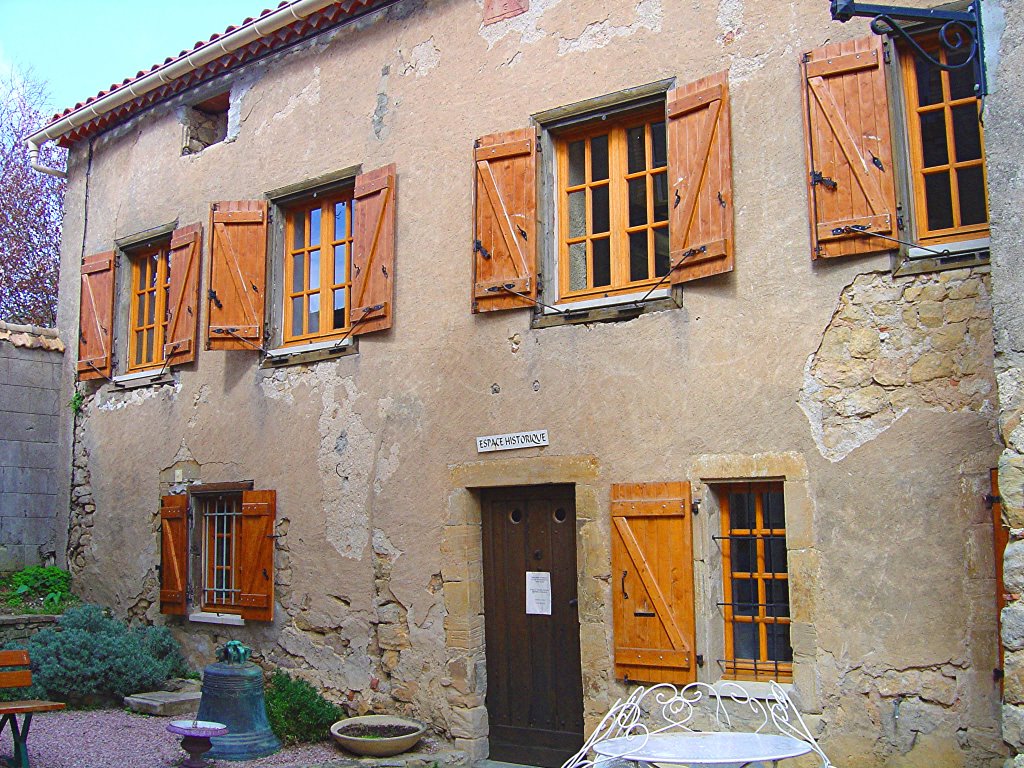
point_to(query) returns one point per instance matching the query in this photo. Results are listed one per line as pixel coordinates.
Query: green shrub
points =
(91, 657)
(297, 711)
(39, 590)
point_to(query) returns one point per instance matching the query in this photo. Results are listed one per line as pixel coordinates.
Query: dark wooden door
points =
(534, 683)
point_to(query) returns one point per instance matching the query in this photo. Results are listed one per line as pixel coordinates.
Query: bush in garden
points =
(91, 658)
(296, 710)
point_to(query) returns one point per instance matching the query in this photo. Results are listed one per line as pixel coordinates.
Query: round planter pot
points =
(382, 747)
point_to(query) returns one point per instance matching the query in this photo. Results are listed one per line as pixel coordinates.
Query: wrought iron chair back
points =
(696, 707)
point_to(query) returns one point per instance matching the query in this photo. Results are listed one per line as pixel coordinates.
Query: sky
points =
(79, 48)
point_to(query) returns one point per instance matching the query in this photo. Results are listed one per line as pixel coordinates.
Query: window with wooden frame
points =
(217, 552)
(318, 247)
(755, 582)
(612, 202)
(637, 195)
(150, 291)
(947, 148)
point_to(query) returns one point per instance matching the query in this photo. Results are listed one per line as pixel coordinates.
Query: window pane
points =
(340, 263)
(577, 163)
(340, 221)
(140, 310)
(741, 511)
(659, 152)
(779, 647)
(142, 274)
(577, 266)
(777, 591)
(744, 597)
(966, 133)
(149, 345)
(602, 262)
(599, 208)
(774, 510)
(638, 269)
(638, 201)
(577, 213)
(339, 308)
(744, 641)
(150, 307)
(929, 82)
(961, 81)
(744, 554)
(314, 269)
(297, 329)
(314, 227)
(661, 257)
(154, 260)
(314, 313)
(775, 557)
(299, 229)
(298, 272)
(660, 197)
(138, 346)
(636, 149)
(933, 138)
(599, 158)
(938, 200)
(971, 184)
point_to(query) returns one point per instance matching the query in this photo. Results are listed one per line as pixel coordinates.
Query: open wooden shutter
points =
(256, 561)
(652, 582)
(96, 317)
(851, 189)
(238, 272)
(183, 302)
(373, 251)
(173, 553)
(505, 221)
(700, 176)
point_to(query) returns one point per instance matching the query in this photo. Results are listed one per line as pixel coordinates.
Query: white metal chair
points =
(694, 708)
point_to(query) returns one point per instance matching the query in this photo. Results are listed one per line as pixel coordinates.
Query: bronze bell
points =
(233, 695)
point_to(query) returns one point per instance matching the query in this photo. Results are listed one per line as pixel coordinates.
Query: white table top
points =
(713, 748)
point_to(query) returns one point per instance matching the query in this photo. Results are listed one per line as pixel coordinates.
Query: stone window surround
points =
(462, 575)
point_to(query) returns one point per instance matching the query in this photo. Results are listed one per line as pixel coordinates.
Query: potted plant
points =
(378, 735)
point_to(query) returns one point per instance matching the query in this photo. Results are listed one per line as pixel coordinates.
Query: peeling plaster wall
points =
(372, 455)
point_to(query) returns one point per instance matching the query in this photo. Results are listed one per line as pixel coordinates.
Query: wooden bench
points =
(20, 678)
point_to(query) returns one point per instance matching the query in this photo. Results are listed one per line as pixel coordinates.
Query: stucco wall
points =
(783, 369)
(30, 363)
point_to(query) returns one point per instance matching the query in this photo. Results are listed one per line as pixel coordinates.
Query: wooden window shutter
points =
(256, 570)
(173, 553)
(505, 221)
(700, 177)
(183, 302)
(849, 149)
(373, 251)
(96, 317)
(238, 274)
(652, 582)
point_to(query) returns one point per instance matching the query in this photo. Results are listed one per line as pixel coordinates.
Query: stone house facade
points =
(625, 376)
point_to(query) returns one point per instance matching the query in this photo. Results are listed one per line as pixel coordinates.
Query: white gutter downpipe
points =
(225, 44)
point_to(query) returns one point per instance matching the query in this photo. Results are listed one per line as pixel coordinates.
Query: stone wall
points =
(30, 364)
(1003, 130)
(18, 629)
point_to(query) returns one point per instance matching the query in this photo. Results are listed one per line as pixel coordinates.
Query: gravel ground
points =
(112, 738)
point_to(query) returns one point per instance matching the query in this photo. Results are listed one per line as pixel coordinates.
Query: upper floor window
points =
(318, 245)
(612, 207)
(149, 306)
(947, 155)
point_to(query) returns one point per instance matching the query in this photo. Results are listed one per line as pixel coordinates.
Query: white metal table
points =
(704, 748)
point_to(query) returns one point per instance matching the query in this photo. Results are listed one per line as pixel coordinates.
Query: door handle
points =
(624, 595)
(574, 602)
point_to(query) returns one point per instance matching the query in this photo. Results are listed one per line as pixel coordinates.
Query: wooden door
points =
(534, 683)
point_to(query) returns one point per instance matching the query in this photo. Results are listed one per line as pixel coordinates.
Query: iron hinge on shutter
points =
(825, 181)
(695, 507)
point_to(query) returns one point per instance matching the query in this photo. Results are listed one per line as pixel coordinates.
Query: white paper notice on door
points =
(538, 592)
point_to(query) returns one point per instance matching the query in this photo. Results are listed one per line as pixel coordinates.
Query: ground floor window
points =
(755, 582)
(217, 523)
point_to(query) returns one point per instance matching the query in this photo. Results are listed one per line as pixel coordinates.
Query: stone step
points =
(164, 703)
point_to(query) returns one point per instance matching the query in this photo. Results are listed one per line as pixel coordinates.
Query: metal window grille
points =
(756, 583)
(221, 521)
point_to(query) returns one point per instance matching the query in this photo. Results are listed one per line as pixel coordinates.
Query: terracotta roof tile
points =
(292, 33)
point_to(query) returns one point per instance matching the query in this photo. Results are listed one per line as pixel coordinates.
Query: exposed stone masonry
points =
(894, 344)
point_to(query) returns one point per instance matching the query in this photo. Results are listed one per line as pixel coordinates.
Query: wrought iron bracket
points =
(959, 31)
